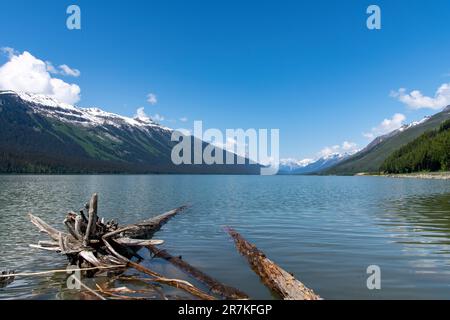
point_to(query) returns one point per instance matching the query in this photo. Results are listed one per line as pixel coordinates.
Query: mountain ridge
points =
(40, 135)
(370, 159)
(311, 166)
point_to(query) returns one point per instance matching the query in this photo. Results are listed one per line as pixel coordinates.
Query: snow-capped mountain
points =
(310, 166)
(291, 164)
(39, 134)
(88, 117)
(393, 133)
(375, 153)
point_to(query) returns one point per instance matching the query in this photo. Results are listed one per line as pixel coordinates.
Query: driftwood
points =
(84, 244)
(214, 285)
(279, 281)
(6, 277)
(138, 242)
(94, 243)
(92, 221)
(146, 228)
(184, 285)
(89, 243)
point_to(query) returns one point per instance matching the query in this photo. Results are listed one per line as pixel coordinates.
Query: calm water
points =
(326, 230)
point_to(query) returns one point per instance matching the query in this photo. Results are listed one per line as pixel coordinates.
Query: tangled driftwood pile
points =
(90, 241)
(94, 244)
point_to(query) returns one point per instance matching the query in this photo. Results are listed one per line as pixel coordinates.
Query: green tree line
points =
(429, 152)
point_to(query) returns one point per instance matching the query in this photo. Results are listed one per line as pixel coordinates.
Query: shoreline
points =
(417, 175)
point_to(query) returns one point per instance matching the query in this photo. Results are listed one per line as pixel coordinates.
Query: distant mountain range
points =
(41, 135)
(310, 166)
(371, 158)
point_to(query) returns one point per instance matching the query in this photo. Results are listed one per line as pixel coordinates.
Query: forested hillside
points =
(429, 152)
(371, 158)
(41, 135)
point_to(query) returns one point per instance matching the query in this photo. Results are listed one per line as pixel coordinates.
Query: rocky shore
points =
(417, 175)
(423, 175)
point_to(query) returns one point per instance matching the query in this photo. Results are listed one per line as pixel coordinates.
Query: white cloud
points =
(158, 118)
(68, 71)
(24, 72)
(50, 67)
(416, 100)
(386, 126)
(152, 99)
(141, 115)
(9, 51)
(63, 69)
(183, 119)
(346, 147)
(232, 145)
(228, 145)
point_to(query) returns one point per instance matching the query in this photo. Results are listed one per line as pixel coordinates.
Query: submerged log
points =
(279, 281)
(138, 242)
(6, 277)
(214, 285)
(181, 284)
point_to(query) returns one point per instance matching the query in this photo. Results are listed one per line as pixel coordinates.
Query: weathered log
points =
(6, 277)
(83, 216)
(181, 284)
(77, 229)
(71, 228)
(279, 281)
(214, 285)
(139, 242)
(89, 257)
(48, 243)
(55, 249)
(92, 220)
(146, 228)
(113, 294)
(44, 227)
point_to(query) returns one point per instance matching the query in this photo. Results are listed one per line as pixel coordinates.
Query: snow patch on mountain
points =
(413, 124)
(292, 164)
(308, 166)
(94, 117)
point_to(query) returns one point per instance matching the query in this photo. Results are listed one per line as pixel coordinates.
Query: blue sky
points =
(310, 68)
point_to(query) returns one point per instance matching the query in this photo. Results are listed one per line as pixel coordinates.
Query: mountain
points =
(309, 166)
(289, 165)
(372, 157)
(429, 152)
(41, 135)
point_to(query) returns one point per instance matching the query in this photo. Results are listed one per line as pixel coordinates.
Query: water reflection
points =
(326, 230)
(419, 220)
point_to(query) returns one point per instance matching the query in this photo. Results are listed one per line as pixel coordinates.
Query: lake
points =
(325, 230)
